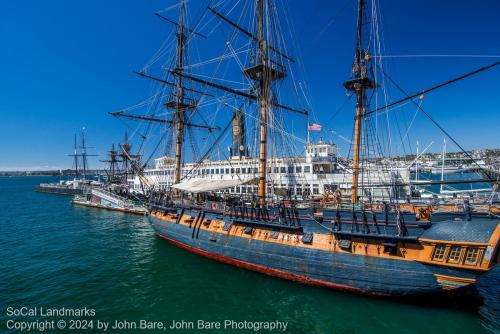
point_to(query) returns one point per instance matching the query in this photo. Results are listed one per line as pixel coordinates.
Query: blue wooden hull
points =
(345, 271)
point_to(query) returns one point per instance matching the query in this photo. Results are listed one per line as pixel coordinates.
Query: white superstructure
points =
(319, 172)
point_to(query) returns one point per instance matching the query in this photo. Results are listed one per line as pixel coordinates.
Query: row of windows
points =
(242, 170)
(306, 190)
(452, 254)
(317, 150)
(254, 170)
(289, 191)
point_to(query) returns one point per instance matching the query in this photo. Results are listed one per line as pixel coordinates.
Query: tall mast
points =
(358, 85)
(263, 102)
(84, 155)
(112, 155)
(125, 149)
(181, 41)
(443, 155)
(75, 155)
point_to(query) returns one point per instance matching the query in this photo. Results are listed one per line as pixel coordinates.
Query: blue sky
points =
(66, 64)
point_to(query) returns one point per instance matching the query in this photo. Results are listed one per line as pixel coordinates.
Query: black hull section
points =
(60, 190)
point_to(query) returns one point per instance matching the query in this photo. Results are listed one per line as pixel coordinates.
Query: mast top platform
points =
(357, 83)
(259, 71)
(179, 105)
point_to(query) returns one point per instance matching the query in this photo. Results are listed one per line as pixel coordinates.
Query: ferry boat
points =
(366, 245)
(318, 174)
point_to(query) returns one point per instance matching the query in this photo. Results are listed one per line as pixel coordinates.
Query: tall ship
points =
(80, 181)
(341, 223)
(114, 194)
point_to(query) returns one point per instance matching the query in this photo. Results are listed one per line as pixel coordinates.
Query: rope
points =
(446, 83)
(323, 226)
(438, 55)
(436, 123)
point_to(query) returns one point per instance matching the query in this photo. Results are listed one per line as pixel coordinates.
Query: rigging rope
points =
(446, 83)
(436, 123)
(438, 56)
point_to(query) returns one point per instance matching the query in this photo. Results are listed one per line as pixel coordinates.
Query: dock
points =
(103, 199)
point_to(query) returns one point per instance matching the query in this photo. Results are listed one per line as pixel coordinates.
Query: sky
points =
(66, 64)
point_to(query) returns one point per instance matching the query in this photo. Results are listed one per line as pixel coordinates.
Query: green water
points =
(54, 254)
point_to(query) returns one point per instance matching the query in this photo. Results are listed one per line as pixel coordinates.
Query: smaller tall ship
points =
(342, 223)
(81, 180)
(114, 194)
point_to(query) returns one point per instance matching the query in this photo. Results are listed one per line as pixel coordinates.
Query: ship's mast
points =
(360, 99)
(263, 102)
(181, 41)
(179, 103)
(75, 155)
(359, 84)
(113, 161)
(84, 155)
(263, 74)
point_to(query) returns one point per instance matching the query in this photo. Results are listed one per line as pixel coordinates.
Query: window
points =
(227, 170)
(315, 189)
(237, 170)
(298, 169)
(232, 170)
(307, 190)
(471, 257)
(439, 252)
(307, 169)
(454, 254)
(299, 189)
(282, 169)
(276, 169)
(217, 171)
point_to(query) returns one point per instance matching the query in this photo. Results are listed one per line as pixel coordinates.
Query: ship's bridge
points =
(164, 162)
(321, 151)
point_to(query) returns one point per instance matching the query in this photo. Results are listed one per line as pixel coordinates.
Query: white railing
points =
(110, 197)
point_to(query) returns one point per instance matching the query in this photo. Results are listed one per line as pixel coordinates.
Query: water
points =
(450, 177)
(54, 254)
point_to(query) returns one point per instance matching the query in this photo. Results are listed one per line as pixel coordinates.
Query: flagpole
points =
(308, 142)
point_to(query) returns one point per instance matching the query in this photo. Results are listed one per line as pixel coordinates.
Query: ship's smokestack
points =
(238, 148)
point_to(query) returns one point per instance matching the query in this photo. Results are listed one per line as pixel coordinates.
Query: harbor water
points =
(54, 255)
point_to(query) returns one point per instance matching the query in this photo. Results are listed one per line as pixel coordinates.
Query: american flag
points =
(313, 127)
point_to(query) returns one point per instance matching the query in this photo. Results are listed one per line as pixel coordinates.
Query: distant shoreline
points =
(63, 173)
